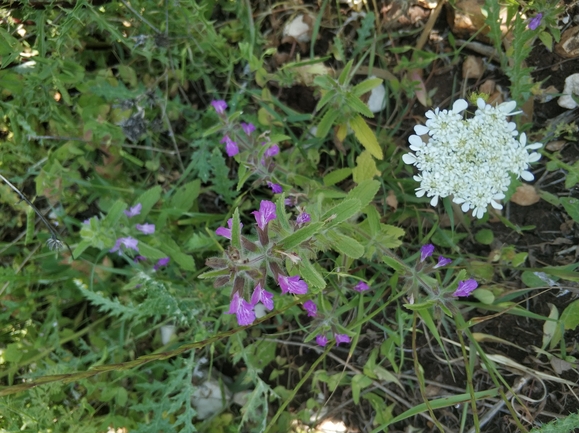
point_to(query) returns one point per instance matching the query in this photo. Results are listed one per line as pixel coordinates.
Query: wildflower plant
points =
(471, 159)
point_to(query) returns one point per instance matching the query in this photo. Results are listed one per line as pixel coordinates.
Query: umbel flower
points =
(470, 159)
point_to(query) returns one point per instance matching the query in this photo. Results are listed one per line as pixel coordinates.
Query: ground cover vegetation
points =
(268, 216)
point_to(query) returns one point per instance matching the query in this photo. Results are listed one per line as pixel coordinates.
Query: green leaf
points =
(571, 206)
(336, 176)
(148, 199)
(300, 235)
(347, 209)
(345, 244)
(114, 214)
(150, 252)
(345, 72)
(30, 226)
(357, 105)
(326, 97)
(281, 214)
(236, 230)
(82, 245)
(359, 382)
(170, 247)
(569, 320)
(366, 168)
(310, 275)
(484, 295)
(365, 192)
(131, 158)
(394, 264)
(13, 353)
(186, 195)
(366, 85)
(326, 123)
(484, 236)
(366, 136)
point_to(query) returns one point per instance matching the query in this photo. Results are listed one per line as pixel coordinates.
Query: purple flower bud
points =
(226, 233)
(161, 262)
(242, 309)
(147, 229)
(311, 308)
(426, 251)
(321, 340)
(277, 189)
(361, 287)
(341, 338)
(128, 242)
(535, 21)
(248, 128)
(303, 218)
(442, 261)
(265, 214)
(134, 211)
(272, 151)
(220, 106)
(465, 288)
(292, 285)
(230, 146)
(139, 258)
(263, 296)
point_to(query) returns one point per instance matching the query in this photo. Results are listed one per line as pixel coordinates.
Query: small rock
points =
(472, 67)
(299, 28)
(568, 47)
(571, 88)
(377, 99)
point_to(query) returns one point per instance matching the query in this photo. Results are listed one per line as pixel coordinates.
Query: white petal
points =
(421, 129)
(480, 212)
(459, 105)
(420, 192)
(534, 157)
(415, 142)
(534, 146)
(465, 207)
(458, 200)
(409, 158)
(527, 175)
(508, 107)
(434, 201)
(523, 139)
(480, 103)
(496, 205)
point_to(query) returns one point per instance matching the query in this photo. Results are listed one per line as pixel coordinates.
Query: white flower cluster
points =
(470, 159)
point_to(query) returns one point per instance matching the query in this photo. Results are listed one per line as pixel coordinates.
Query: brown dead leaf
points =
(525, 195)
(472, 67)
(560, 366)
(391, 200)
(555, 146)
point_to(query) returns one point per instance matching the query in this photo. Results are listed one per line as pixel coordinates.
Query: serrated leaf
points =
(345, 72)
(326, 123)
(336, 176)
(390, 236)
(327, 96)
(347, 209)
(115, 213)
(571, 206)
(345, 244)
(366, 168)
(310, 275)
(366, 85)
(357, 105)
(366, 136)
(300, 235)
(365, 192)
(148, 199)
(150, 252)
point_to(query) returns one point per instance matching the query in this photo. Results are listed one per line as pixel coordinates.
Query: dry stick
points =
(54, 242)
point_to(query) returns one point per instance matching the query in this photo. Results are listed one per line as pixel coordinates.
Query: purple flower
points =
(277, 189)
(426, 251)
(128, 242)
(263, 296)
(292, 284)
(303, 218)
(442, 261)
(248, 128)
(161, 262)
(341, 338)
(311, 308)
(230, 146)
(242, 309)
(265, 214)
(272, 151)
(147, 229)
(361, 287)
(535, 21)
(321, 340)
(226, 233)
(139, 258)
(134, 211)
(465, 288)
(220, 106)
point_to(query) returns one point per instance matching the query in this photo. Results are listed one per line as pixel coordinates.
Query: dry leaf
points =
(472, 67)
(391, 200)
(525, 195)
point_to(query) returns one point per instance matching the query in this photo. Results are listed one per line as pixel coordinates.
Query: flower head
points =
(248, 128)
(242, 309)
(220, 106)
(292, 285)
(134, 211)
(226, 233)
(311, 308)
(272, 150)
(277, 189)
(128, 242)
(535, 21)
(161, 262)
(263, 296)
(147, 229)
(465, 288)
(426, 251)
(442, 261)
(341, 338)
(469, 159)
(361, 287)
(303, 218)
(265, 214)
(231, 147)
(321, 340)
